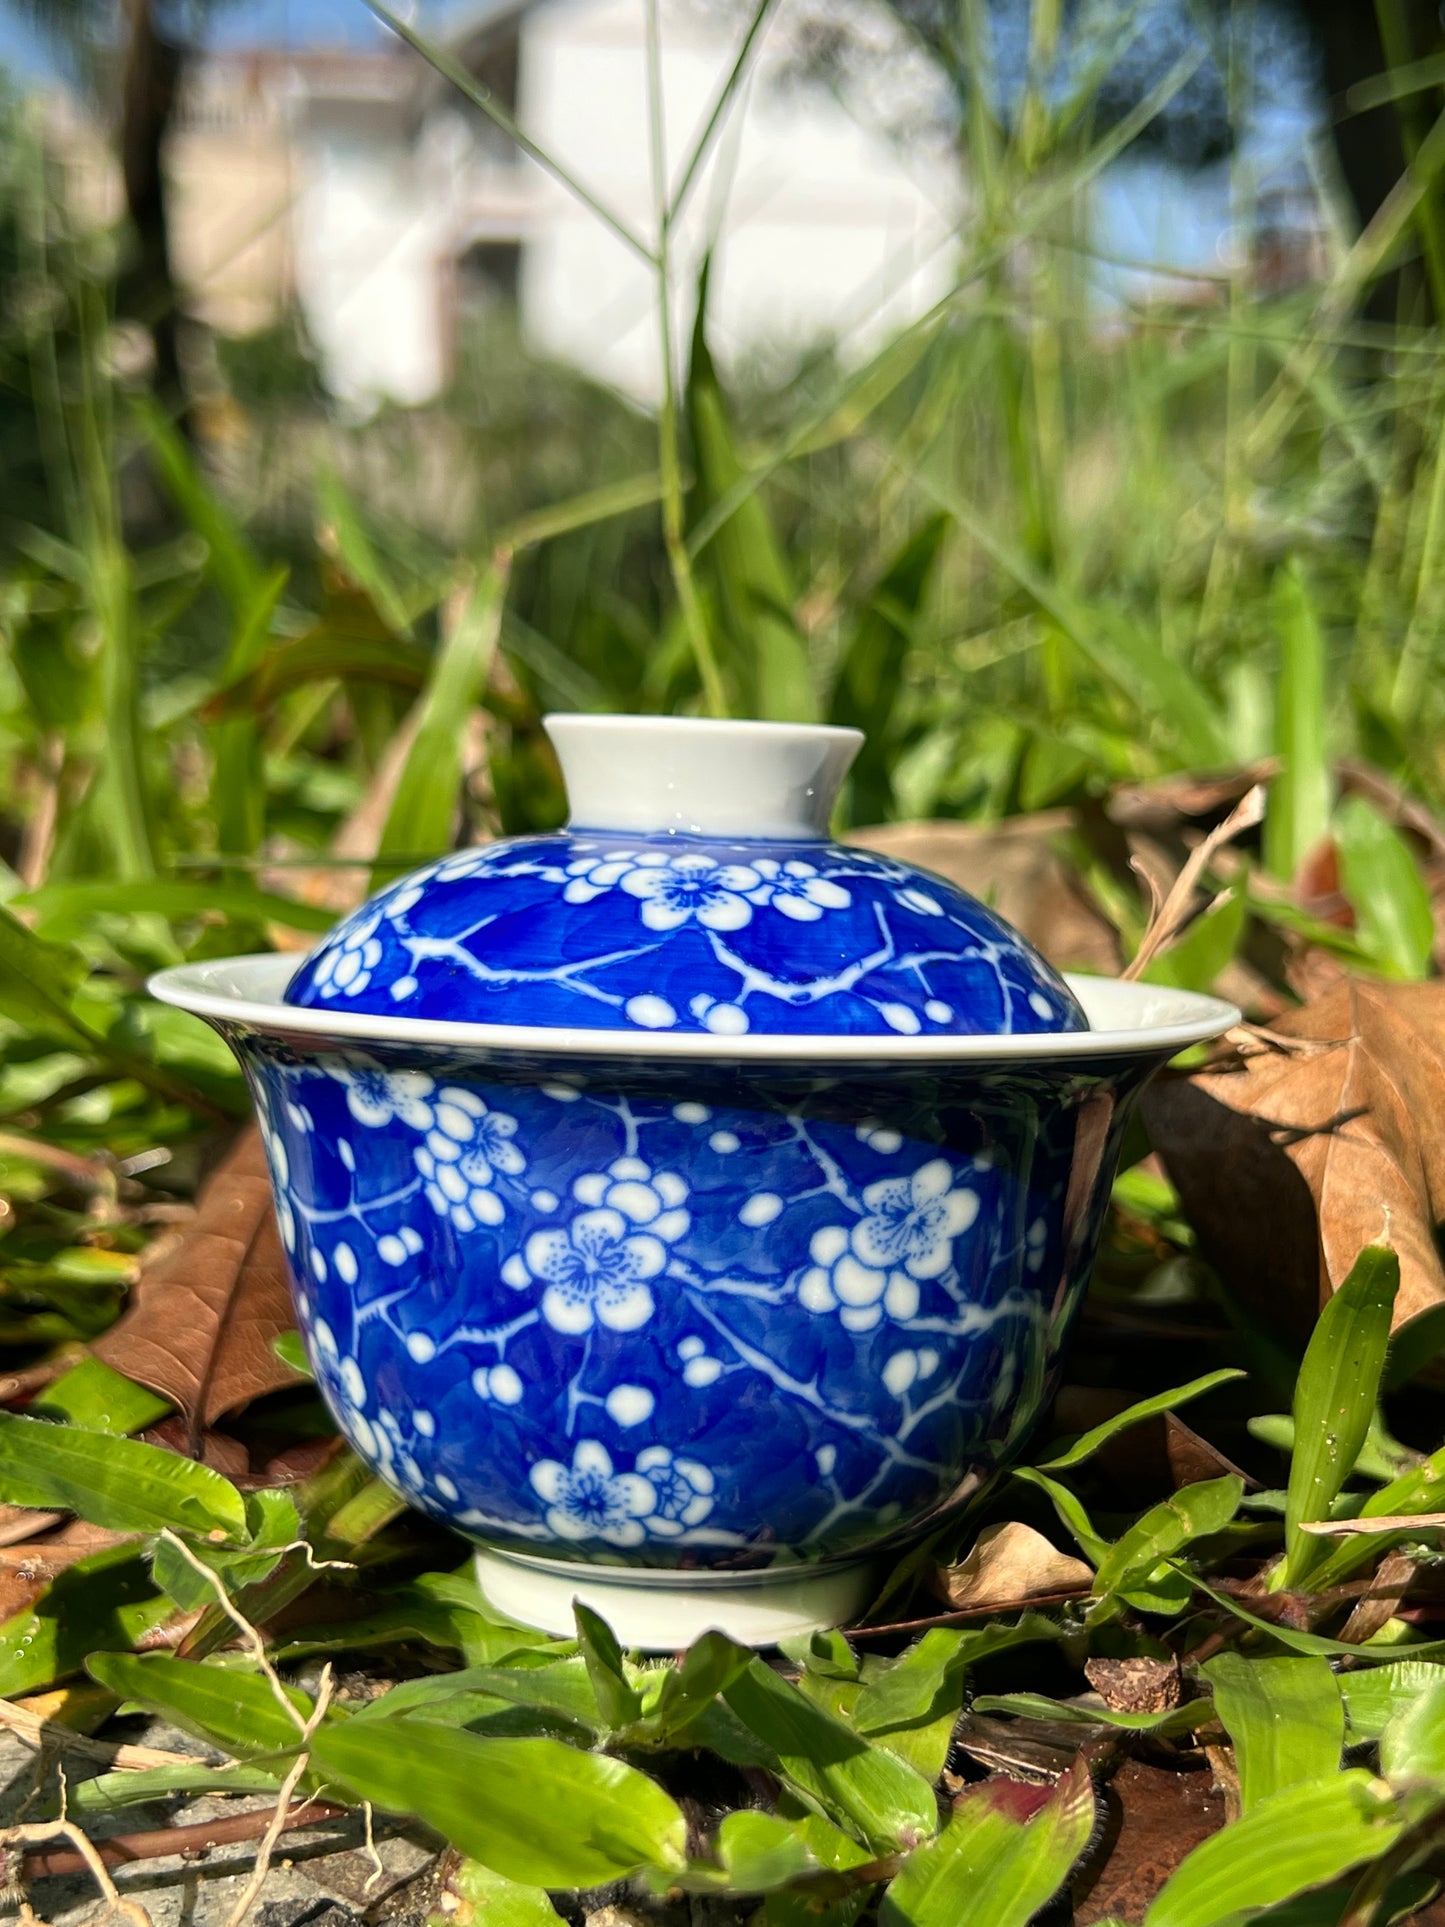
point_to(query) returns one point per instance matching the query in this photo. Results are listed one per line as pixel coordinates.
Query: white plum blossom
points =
(1036, 1242)
(699, 1368)
(594, 876)
(499, 1382)
(912, 1222)
(395, 1247)
(796, 889)
(686, 887)
(683, 1491)
(406, 897)
(588, 1500)
(467, 1144)
(919, 901)
(907, 1235)
(595, 1272)
(462, 864)
(374, 1097)
(344, 968)
(860, 1294)
(646, 1199)
(905, 1369)
(673, 890)
(879, 1137)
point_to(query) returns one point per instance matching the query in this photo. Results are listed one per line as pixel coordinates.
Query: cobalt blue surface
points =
(678, 933)
(698, 1316)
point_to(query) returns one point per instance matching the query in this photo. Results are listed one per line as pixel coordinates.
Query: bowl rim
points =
(1126, 1019)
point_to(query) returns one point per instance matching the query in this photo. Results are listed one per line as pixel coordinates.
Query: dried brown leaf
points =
(202, 1326)
(1289, 1163)
(1153, 1817)
(1140, 1685)
(1015, 867)
(1167, 805)
(1009, 1562)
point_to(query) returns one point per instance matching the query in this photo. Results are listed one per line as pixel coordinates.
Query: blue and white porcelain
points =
(687, 1209)
(707, 928)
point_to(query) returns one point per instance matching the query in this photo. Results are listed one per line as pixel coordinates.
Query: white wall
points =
(826, 228)
(827, 231)
(370, 237)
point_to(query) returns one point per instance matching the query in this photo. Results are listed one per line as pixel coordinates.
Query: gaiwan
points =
(687, 1209)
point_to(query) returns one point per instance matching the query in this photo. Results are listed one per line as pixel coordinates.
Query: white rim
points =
(1129, 1019)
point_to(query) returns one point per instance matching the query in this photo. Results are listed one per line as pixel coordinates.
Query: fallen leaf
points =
(18, 1523)
(202, 1326)
(222, 1453)
(1139, 1685)
(1153, 1817)
(1015, 867)
(1290, 1159)
(1011, 1562)
(1169, 803)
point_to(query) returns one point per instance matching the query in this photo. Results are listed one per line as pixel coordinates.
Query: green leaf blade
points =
(862, 1787)
(1334, 1400)
(533, 1810)
(118, 1483)
(1285, 1717)
(1303, 1837)
(988, 1869)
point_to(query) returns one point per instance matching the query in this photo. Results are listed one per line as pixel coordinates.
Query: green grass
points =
(1036, 557)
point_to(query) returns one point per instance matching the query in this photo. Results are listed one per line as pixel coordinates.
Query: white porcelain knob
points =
(700, 777)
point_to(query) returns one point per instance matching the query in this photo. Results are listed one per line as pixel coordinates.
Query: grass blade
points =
(1299, 797)
(118, 1483)
(1412, 1746)
(1285, 1717)
(1304, 1837)
(1334, 1400)
(1130, 1568)
(617, 1701)
(870, 674)
(869, 1791)
(746, 564)
(533, 1810)
(1090, 1442)
(232, 1709)
(452, 69)
(423, 811)
(989, 1868)
(1394, 918)
(1070, 1511)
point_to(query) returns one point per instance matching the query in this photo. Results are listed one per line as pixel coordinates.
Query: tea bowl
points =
(696, 1319)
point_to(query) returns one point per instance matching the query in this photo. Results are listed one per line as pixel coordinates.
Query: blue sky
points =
(244, 23)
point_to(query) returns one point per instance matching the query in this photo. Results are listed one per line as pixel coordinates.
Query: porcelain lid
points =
(694, 890)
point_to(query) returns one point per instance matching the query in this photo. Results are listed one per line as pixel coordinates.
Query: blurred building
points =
(362, 187)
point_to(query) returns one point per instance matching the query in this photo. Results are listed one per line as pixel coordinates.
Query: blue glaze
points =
(702, 1315)
(680, 933)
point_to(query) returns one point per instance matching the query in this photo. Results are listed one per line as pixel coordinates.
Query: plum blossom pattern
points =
(682, 933)
(683, 1489)
(675, 889)
(467, 1145)
(588, 1500)
(913, 1221)
(345, 966)
(796, 889)
(861, 1294)
(629, 1185)
(596, 1271)
(374, 1096)
(616, 1322)
(874, 1267)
